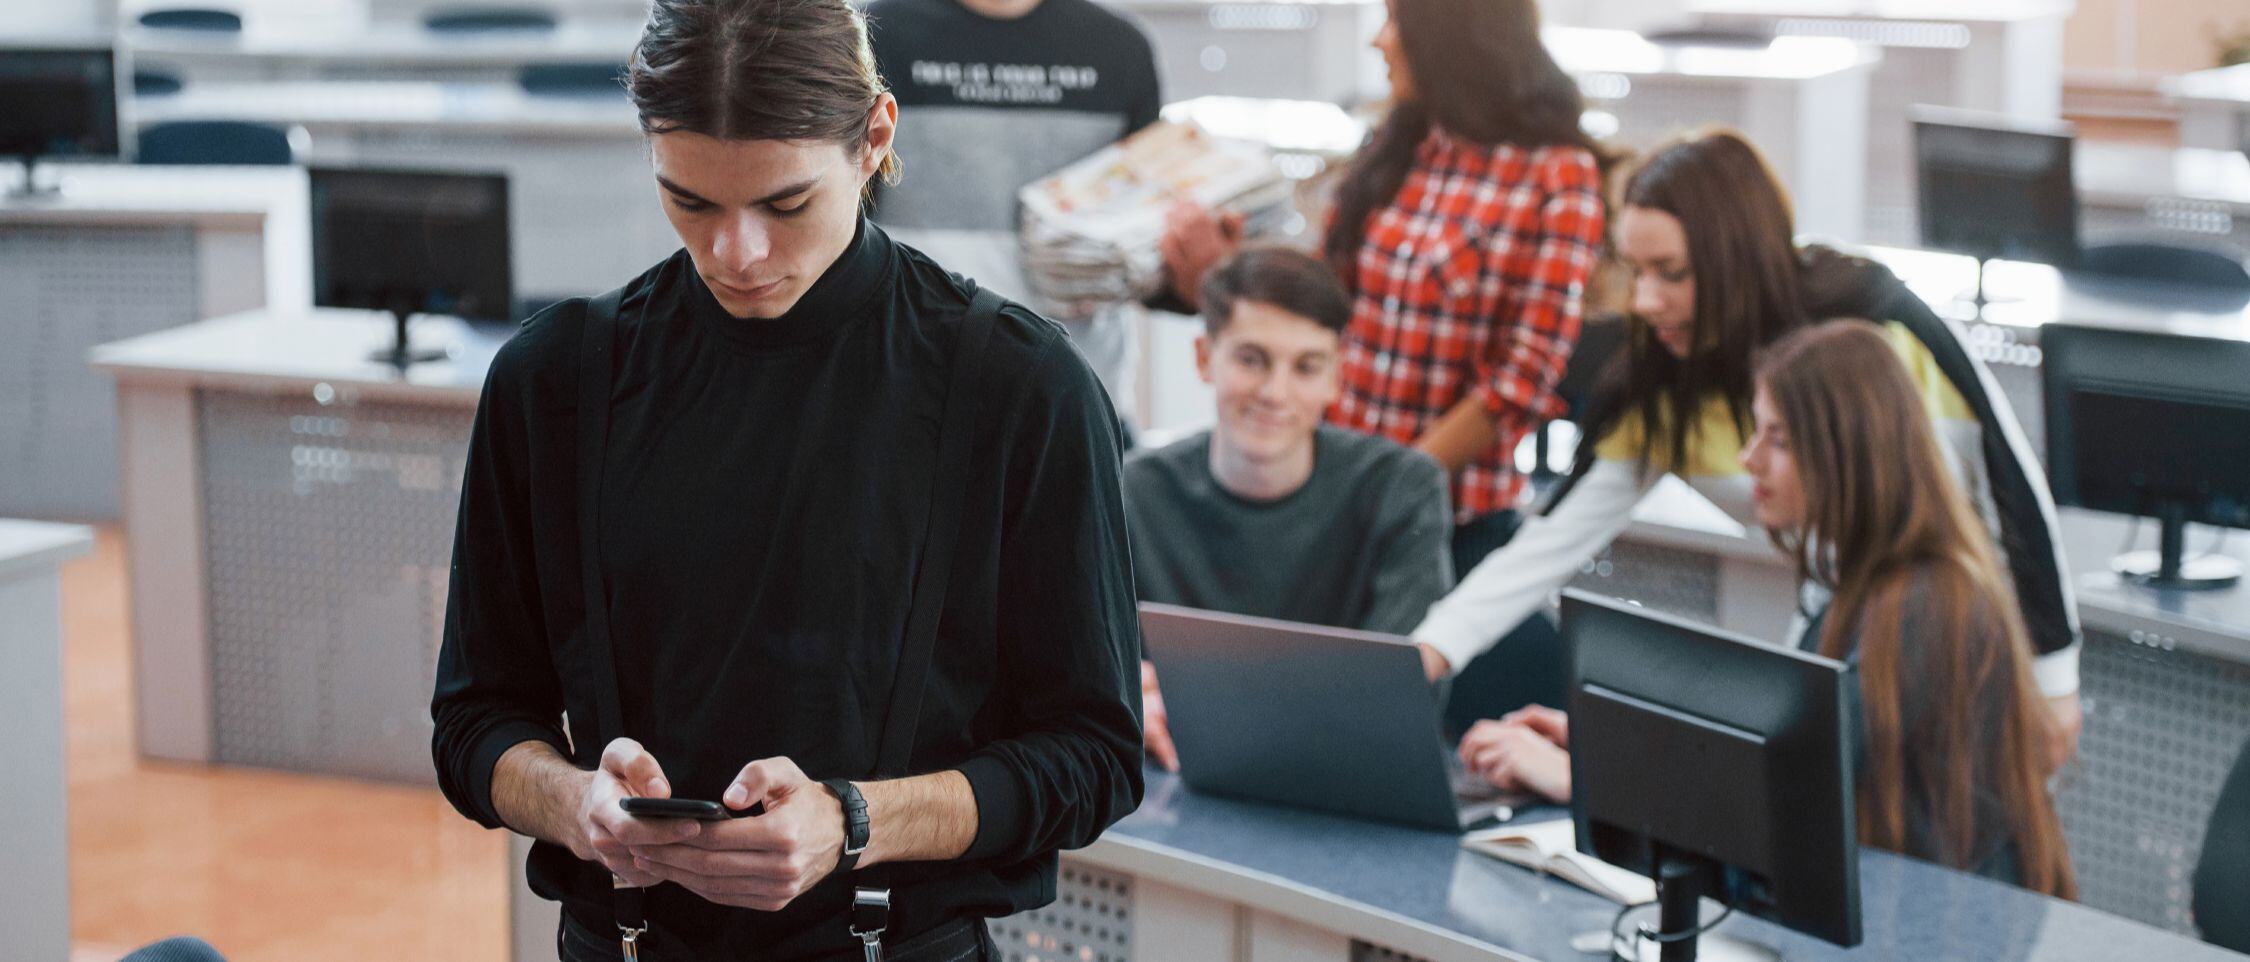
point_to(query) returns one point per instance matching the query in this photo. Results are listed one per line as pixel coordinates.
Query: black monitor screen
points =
(414, 241)
(59, 103)
(1996, 192)
(2138, 451)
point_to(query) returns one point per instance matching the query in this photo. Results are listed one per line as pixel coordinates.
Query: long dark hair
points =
(1480, 73)
(1955, 727)
(757, 70)
(1742, 250)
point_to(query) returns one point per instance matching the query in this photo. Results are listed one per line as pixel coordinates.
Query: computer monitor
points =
(1991, 186)
(58, 102)
(411, 242)
(2155, 425)
(1717, 766)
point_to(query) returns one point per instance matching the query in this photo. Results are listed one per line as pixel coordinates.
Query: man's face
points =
(763, 219)
(1275, 375)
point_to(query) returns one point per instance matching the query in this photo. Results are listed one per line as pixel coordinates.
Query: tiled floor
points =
(266, 866)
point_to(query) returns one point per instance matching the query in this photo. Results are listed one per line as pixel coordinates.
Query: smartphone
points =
(697, 809)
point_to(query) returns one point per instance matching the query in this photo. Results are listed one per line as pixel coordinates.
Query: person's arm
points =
(1414, 554)
(496, 686)
(1068, 762)
(1514, 581)
(1537, 306)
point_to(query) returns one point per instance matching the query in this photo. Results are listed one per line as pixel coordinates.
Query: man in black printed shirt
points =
(1000, 93)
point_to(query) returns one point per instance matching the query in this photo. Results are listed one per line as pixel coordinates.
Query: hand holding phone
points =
(691, 808)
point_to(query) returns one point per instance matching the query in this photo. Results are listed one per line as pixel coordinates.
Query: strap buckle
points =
(871, 914)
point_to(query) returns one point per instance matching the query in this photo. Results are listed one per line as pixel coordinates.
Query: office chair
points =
(572, 79)
(2222, 875)
(155, 83)
(2211, 270)
(193, 18)
(482, 19)
(180, 949)
(203, 142)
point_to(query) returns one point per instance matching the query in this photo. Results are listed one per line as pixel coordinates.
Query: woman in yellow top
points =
(1706, 231)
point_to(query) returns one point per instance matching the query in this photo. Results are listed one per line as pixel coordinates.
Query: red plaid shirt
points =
(1469, 286)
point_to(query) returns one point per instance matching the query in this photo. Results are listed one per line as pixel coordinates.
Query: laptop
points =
(1312, 717)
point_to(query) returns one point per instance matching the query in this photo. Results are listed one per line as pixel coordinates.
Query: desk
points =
(1191, 876)
(2165, 675)
(355, 48)
(2002, 57)
(2188, 195)
(122, 251)
(2214, 107)
(1803, 100)
(291, 506)
(34, 838)
(577, 166)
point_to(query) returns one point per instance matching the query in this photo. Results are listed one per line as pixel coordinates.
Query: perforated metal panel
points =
(1091, 920)
(328, 533)
(2169, 220)
(2162, 726)
(64, 290)
(1369, 952)
(1683, 583)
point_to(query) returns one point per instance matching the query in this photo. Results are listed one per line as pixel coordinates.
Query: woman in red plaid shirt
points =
(1466, 230)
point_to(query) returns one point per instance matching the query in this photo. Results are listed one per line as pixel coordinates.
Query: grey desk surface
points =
(2033, 295)
(2130, 175)
(2219, 85)
(476, 105)
(1934, 11)
(28, 546)
(291, 350)
(1418, 892)
(126, 193)
(348, 40)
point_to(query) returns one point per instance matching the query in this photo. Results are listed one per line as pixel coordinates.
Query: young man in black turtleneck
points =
(751, 526)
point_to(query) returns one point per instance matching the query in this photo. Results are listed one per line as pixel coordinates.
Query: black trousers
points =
(962, 940)
(1529, 666)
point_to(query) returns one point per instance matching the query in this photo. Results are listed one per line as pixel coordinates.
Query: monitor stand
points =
(401, 354)
(1680, 887)
(30, 190)
(2168, 566)
(1976, 297)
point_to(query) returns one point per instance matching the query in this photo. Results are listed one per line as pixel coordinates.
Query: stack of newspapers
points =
(1090, 230)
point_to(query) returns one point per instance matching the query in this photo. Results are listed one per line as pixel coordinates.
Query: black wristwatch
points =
(855, 821)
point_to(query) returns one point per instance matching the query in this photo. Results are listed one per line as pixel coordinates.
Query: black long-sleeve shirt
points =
(764, 498)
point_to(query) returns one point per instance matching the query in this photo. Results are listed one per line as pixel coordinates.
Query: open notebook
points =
(1553, 846)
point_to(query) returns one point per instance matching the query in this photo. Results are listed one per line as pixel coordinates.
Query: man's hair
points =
(757, 70)
(1291, 280)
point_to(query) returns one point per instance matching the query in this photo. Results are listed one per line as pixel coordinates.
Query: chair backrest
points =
(214, 142)
(193, 18)
(178, 949)
(572, 79)
(476, 19)
(155, 83)
(2166, 263)
(2222, 875)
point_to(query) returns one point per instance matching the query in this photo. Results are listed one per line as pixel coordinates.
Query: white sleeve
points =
(1514, 581)
(2057, 671)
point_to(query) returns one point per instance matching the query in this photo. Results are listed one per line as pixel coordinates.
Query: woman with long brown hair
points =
(1849, 479)
(1465, 231)
(1705, 232)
